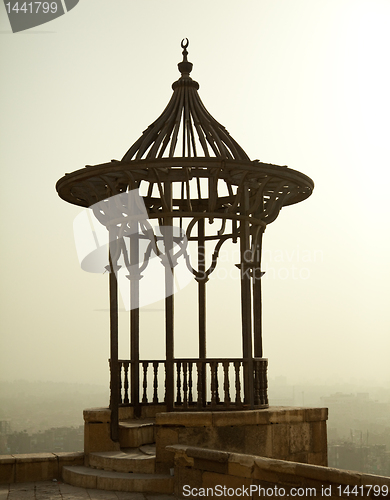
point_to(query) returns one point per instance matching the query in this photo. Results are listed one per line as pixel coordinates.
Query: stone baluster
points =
(190, 400)
(213, 370)
(199, 385)
(257, 381)
(126, 382)
(145, 365)
(237, 365)
(185, 386)
(155, 381)
(120, 400)
(165, 382)
(178, 383)
(216, 383)
(264, 382)
(226, 384)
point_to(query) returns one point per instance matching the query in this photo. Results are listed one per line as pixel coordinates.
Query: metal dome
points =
(185, 128)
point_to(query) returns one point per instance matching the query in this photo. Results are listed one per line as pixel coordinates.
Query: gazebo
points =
(199, 187)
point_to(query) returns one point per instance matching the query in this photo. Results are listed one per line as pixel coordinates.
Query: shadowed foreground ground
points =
(56, 490)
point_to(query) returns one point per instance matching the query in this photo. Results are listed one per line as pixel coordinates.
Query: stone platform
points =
(284, 433)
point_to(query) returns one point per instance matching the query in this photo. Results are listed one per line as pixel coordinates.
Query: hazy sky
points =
(297, 83)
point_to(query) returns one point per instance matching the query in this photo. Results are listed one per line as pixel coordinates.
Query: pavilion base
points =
(285, 433)
(97, 426)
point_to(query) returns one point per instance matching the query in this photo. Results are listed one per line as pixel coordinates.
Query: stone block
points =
(280, 442)
(78, 478)
(110, 483)
(268, 476)
(263, 416)
(340, 477)
(284, 415)
(181, 460)
(275, 471)
(36, 467)
(278, 466)
(300, 438)
(257, 440)
(317, 459)
(68, 458)
(151, 411)
(200, 436)
(211, 465)
(309, 471)
(177, 448)
(135, 433)
(97, 438)
(185, 419)
(316, 414)
(301, 457)
(241, 465)
(228, 438)
(235, 418)
(165, 436)
(98, 415)
(263, 471)
(369, 479)
(186, 476)
(125, 413)
(318, 437)
(7, 469)
(205, 454)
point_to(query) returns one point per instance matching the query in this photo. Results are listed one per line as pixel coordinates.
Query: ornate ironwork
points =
(190, 172)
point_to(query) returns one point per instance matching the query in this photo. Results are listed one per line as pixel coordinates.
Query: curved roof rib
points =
(185, 128)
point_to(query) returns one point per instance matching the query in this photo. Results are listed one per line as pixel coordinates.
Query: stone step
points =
(149, 449)
(85, 477)
(126, 460)
(136, 432)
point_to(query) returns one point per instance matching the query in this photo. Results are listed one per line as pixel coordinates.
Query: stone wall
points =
(295, 434)
(202, 472)
(36, 466)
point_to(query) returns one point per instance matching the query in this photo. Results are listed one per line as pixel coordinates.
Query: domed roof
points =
(185, 128)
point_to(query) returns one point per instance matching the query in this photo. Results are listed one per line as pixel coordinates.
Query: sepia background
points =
(303, 84)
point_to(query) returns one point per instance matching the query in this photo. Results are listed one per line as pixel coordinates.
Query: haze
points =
(304, 84)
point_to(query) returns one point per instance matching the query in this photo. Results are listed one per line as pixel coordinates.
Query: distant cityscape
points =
(56, 439)
(48, 417)
(358, 423)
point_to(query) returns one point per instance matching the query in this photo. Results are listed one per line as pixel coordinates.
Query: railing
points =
(199, 384)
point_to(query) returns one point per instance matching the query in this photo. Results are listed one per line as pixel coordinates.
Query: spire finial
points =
(185, 66)
(184, 44)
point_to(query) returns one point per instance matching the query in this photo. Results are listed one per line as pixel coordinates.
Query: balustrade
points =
(200, 384)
